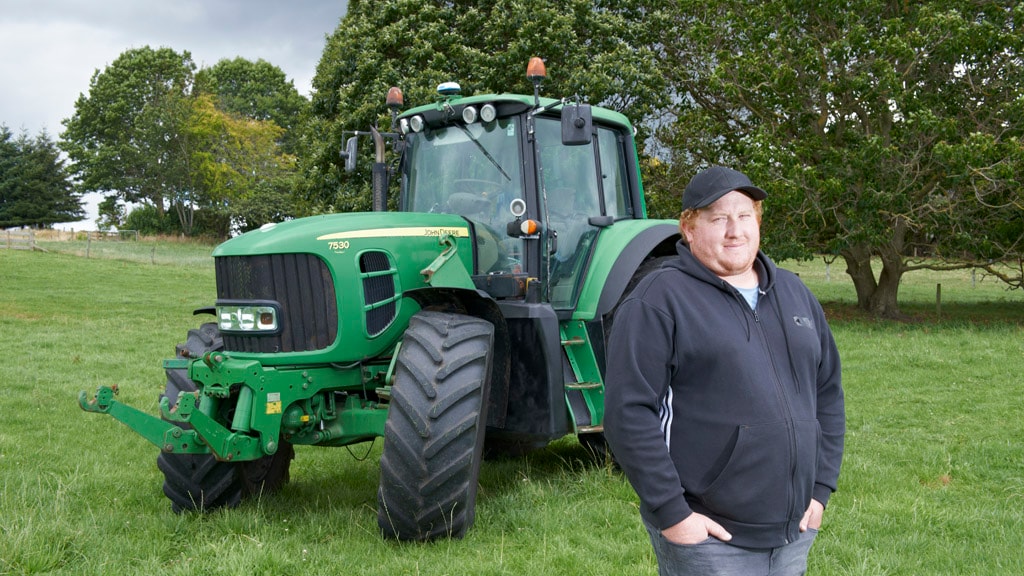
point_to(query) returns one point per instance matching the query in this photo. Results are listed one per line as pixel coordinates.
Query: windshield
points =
(474, 171)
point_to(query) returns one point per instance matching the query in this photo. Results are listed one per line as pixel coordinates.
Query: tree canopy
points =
(35, 189)
(257, 91)
(603, 51)
(881, 129)
(153, 131)
(239, 169)
(885, 131)
(125, 135)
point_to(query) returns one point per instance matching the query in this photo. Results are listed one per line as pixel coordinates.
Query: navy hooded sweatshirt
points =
(717, 408)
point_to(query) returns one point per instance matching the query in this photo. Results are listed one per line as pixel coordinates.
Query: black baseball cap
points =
(715, 182)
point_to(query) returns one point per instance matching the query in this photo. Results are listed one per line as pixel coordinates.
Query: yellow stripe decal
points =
(398, 232)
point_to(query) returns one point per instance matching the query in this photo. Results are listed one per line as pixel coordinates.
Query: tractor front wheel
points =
(200, 481)
(433, 438)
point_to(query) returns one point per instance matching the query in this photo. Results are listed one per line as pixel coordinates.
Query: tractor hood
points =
(323, 234)
(336, 283)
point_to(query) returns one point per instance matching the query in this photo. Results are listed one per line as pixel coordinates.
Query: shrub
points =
(149, 222)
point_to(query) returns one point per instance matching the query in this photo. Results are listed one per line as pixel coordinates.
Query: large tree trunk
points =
(877, 297)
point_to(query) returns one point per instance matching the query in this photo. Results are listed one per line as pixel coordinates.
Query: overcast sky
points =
(49, 49)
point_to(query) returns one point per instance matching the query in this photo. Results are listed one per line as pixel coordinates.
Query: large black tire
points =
(201, 482)
(433, 439)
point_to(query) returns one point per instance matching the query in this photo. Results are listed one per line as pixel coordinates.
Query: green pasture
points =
(932, 483)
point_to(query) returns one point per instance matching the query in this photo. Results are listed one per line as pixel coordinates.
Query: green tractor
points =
(473, 317)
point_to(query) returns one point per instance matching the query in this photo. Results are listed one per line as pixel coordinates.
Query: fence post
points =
(23, 239)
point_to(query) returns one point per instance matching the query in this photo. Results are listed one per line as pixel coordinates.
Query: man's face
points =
(725, 236)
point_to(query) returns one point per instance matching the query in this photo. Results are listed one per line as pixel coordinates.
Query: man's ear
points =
(684, 231)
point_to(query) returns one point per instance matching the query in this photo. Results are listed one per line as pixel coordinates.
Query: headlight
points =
(247, 318)
(488, 113)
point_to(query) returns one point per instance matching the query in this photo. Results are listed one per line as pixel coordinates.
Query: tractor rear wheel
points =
(433, 439)
(595, 443)
(200, 481)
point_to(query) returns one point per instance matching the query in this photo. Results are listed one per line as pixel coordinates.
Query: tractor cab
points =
(537, 179)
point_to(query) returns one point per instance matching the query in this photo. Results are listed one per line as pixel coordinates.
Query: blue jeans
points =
(713, 557)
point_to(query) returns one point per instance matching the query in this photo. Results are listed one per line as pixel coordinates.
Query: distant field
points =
(185, 252)
(965, 295)
(932, 483)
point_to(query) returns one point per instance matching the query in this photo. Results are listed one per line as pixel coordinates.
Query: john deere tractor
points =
(474, 316)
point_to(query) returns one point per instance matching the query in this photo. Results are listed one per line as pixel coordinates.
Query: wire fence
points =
(128, 246)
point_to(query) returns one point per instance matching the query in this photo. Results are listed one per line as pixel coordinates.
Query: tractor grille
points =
(300, 283)
(378, 291)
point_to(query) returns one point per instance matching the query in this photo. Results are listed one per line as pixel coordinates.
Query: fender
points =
(611, 267)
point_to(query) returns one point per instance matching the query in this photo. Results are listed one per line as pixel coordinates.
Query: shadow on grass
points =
(959, 315)
(341, 485)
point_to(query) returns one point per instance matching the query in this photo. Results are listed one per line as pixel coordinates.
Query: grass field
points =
(932, 483)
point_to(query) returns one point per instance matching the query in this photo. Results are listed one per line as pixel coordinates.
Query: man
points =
(724, 404)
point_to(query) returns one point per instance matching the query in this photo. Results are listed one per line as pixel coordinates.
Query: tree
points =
(237, 169)
(110, 213)
(258, 91)
(258, 140)
(35, 189)
(989, 170)
(124, 136)
(600, 50)
(154, 131)
(875, 124)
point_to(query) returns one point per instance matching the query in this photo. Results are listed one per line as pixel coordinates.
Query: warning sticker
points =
(273, 403)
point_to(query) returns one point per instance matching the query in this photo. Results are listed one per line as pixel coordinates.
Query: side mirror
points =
(349, 153)
(577, 125)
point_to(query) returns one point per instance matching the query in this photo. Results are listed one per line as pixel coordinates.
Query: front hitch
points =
(225, 444)
(166, 435)
(206, 436)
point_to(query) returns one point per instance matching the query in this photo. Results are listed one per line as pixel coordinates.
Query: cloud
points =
(49, 49)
